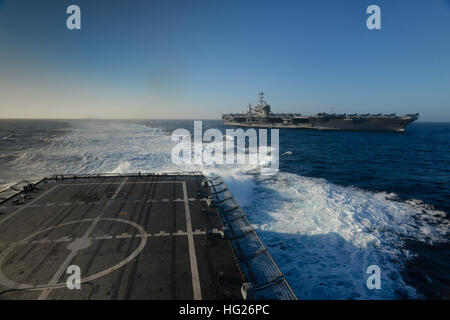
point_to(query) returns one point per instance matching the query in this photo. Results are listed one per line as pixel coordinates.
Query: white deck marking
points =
(161, 233)
(44, 294)
(189, 233)
(63, 239)
(119, 236)
(77, 244)
(191, 244)
(98, 202)
(124, 236)
(133, 182)
(26, 205)
(103, 237)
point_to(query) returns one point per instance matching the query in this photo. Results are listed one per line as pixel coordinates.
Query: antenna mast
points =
(261, 98)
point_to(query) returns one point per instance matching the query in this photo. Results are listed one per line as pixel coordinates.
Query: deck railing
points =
(257, 265)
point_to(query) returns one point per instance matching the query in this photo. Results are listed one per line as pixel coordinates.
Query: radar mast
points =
(261, 98)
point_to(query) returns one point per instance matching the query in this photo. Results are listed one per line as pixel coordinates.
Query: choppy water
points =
(342, 201)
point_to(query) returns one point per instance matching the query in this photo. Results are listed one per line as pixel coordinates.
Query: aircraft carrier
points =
(135, 236)
(260, 116)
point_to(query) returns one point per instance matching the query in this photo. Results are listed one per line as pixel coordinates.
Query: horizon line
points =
(193, 119)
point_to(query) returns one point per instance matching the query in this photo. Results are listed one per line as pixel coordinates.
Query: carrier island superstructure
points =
(260, 116)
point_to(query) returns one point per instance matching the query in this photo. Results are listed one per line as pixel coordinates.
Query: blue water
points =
(413, 164)
(341, 202)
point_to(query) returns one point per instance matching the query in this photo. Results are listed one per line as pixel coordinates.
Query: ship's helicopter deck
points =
(133, 237)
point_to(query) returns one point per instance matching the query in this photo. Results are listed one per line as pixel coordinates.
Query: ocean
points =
(341, 202)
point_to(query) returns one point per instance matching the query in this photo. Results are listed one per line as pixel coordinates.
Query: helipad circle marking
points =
(77, 244)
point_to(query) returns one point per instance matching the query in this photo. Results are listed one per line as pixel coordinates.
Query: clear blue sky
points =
(198, 59)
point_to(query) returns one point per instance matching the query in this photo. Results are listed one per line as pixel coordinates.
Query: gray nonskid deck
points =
(137, 237)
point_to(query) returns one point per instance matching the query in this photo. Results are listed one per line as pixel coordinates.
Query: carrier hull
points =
(391, 124)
